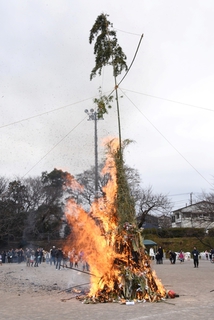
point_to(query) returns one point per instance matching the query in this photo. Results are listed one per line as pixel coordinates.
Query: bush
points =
(211, 232)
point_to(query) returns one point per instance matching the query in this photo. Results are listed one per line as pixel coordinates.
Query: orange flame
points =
(96, 233)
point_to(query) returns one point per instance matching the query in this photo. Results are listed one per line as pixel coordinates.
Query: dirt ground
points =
(38, 281)
(44, 293)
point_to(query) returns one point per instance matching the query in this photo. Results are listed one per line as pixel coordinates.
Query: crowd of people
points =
(180, 256)
(73, 259)
(55, 256)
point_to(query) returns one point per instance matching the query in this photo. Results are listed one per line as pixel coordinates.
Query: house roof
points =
(191, 207)
(147, 242)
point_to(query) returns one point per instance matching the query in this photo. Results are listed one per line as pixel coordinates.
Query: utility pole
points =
(191, 193)
(93, 116)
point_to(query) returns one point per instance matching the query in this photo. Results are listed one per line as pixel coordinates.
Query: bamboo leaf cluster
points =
(106, 49)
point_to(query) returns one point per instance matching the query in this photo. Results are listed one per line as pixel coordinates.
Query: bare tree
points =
(146, 201)
(14, 206)
(3, 186)
(85, 194)
(37, 198)
(150, 202)
(47, 194)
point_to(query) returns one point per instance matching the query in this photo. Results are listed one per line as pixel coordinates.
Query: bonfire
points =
(120, 268)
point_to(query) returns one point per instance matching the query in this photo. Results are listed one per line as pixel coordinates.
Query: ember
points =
(112, 243)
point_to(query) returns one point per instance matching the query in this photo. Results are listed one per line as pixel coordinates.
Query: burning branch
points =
(112, 243)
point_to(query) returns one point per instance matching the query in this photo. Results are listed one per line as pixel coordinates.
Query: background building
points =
(198, 215)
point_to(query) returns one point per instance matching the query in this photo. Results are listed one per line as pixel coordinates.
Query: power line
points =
(179, 194)
(59, 108)
(136, 51)
(166, 139)
(44, 113)
(183, 200)
(169, 100)
(53, 147)
(135, 34)
(77, 102)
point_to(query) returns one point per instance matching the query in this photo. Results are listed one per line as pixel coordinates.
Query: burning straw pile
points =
(112, 244)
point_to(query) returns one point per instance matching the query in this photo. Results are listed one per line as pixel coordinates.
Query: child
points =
(181, 256)
(32, 257)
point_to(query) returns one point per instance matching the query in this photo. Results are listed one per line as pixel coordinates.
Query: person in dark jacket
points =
(172, 257)
(36, 261)
(160, 251)
(195, 255)
(53, 256)
(59, 257)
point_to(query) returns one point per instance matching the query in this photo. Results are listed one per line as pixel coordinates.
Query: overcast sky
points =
(168, 98)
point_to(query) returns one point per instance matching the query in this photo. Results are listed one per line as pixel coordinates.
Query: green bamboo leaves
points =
(106, 49)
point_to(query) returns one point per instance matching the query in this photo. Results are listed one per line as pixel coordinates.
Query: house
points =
(152, 221)
(198, 215)
(164, 221)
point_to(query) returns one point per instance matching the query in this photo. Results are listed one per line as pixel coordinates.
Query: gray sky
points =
(167, 105)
